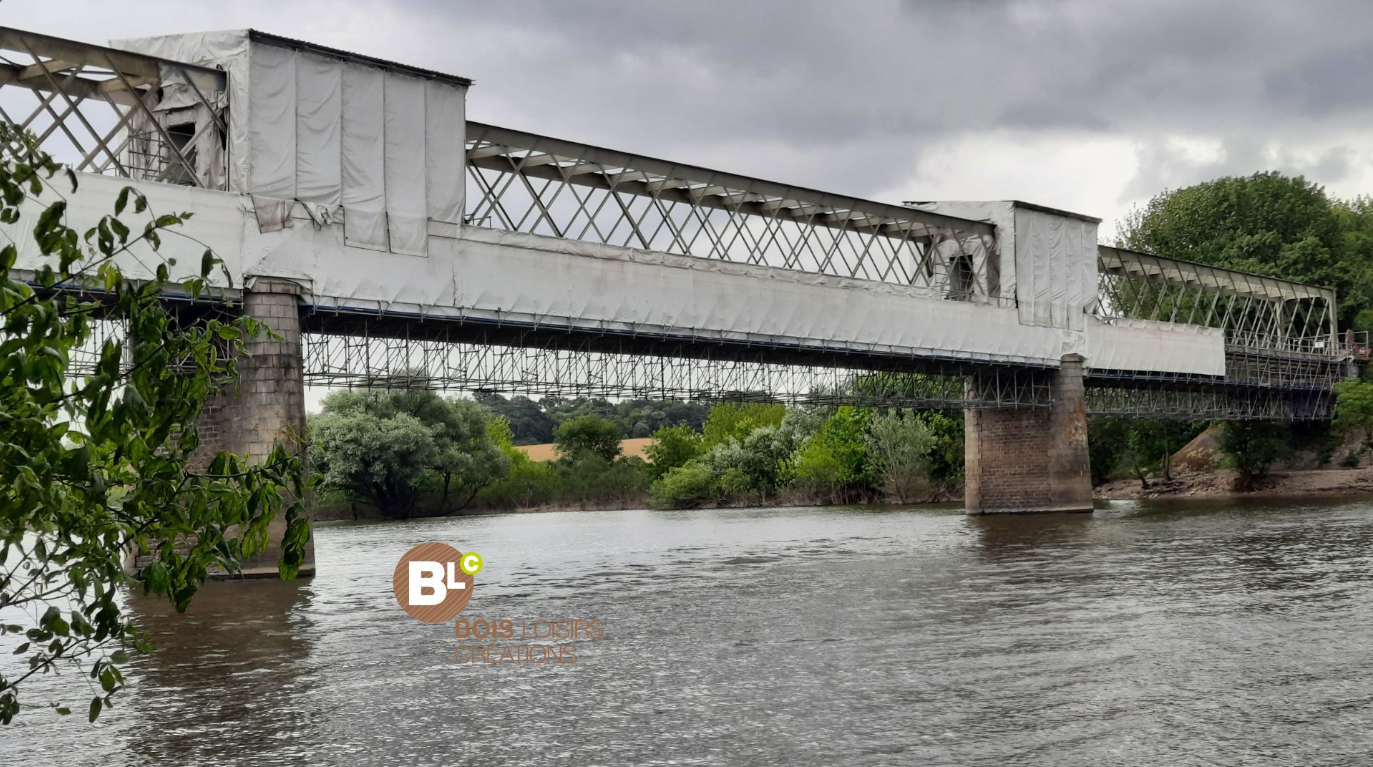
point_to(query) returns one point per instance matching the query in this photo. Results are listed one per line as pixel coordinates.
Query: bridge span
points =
(392, 241)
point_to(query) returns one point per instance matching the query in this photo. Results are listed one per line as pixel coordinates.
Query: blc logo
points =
(433, 581)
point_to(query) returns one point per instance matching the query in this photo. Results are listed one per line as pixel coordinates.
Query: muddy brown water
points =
(1163, 633)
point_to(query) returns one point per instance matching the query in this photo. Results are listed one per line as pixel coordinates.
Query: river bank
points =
(1326, 482)
(343, 511)
(1210, 484)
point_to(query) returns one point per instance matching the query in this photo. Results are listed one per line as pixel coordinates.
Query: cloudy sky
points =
(1089, 105)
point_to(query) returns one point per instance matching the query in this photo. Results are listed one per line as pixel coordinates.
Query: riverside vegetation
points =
(414, 452)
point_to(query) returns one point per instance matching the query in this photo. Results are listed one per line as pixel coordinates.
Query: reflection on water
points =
(1146, 634)
(238, 658)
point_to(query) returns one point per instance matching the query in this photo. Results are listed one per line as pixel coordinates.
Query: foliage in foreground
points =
(92, 467)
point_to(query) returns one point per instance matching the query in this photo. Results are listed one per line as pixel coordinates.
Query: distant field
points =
(548, 452)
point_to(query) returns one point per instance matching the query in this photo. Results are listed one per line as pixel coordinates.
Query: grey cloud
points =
(848, 95)
(1330, 81)
(1164, 167)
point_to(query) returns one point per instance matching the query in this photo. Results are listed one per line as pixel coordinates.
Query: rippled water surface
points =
(1178, 634)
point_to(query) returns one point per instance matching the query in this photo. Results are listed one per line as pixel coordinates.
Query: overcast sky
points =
(1088, 105)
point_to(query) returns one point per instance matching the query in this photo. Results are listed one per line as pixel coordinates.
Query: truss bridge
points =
(392, 241)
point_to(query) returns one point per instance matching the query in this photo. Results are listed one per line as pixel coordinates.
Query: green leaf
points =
(96, 705)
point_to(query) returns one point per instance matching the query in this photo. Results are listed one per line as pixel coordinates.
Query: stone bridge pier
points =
(1031, 460)
(266, 405)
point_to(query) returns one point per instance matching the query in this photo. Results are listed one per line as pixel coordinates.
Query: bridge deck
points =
(407, 226)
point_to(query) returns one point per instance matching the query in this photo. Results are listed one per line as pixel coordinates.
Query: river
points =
(1168, 633)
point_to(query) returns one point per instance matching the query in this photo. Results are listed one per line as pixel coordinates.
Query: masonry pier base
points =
(1031, 460)
(266, 405)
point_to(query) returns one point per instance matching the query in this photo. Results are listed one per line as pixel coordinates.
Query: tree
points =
(673, 446)
(1107, 447)
(382, 446)
(899, 445)
(529, 424)
(834, 461)
(469, 459)
(686, 486)
(946, 460)
(1354, 407)
(1251, 447)
(96, 465)
(736, 420)
(381, 460)
(587, 435)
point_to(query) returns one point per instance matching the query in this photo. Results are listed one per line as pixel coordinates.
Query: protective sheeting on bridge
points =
(380, 143)
(473, 273)
(1045, 258)
(221, 223)
(1154, 347)
(521, 279)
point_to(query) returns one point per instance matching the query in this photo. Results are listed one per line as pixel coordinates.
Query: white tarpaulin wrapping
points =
(521, 278)
(1156, 347)
(364, 157)
(272, 122)
(1056, 268)
(445, 146)
(388, 147)
(406, 210)
(1047, 260)
(999, 264)
(319, 113)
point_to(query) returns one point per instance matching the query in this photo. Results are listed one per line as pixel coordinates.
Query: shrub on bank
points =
(685, 487)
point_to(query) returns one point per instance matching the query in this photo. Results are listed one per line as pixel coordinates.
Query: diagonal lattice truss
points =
(113, 112)
(1257, 313)
(522, 182)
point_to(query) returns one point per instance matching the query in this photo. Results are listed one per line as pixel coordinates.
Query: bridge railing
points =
(523, 182)
(113, 112)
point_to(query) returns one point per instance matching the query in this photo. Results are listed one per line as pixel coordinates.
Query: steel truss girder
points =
(1256, 313)
(113, 112)
(522, 182)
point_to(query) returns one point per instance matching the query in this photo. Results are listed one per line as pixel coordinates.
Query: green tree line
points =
(414, 452)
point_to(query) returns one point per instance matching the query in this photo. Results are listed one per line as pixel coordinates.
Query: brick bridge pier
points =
(266, 405)
(1031, 460)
